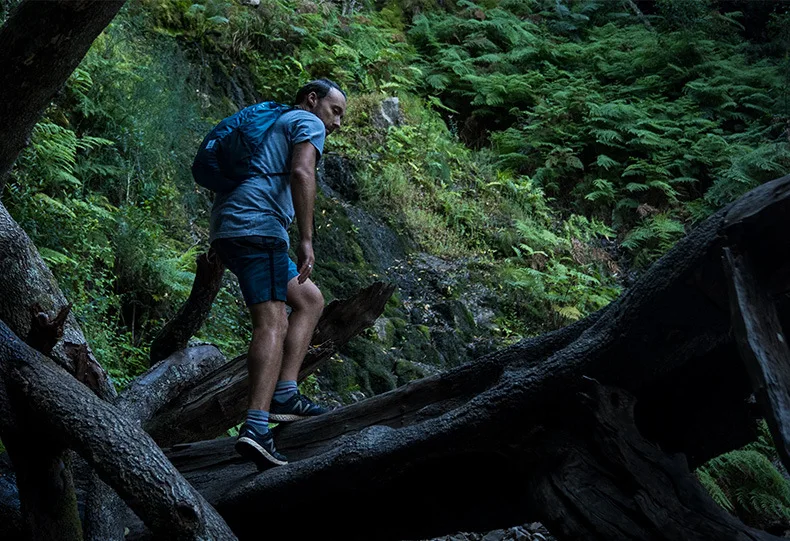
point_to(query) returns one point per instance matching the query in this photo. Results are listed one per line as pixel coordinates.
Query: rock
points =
(388, 114)
(528, 532)
(381, 246)
(496, 535)
(337, 173)
(385, 331)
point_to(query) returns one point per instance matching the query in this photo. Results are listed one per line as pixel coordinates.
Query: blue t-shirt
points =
(263, 205)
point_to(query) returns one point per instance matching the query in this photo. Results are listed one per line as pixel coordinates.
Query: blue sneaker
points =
(295, 408)
(259, 448)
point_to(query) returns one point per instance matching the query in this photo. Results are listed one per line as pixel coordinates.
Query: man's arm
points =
(303, 192)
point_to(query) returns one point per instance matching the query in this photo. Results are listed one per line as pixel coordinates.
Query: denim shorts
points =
(261, 264)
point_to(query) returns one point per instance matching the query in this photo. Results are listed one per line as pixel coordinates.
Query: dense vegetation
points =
(556, 147)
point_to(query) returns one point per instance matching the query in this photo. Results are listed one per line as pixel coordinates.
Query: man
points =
(249, 232)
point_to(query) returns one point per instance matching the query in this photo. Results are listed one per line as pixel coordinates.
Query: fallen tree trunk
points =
(106, 513)
(675, 316)
(608, 482)
(65, 413)
(763, 347)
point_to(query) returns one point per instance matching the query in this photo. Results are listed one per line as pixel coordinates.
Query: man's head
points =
(324, 99)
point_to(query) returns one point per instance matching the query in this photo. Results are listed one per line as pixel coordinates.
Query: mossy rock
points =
(374, 367)
(457, 315)
(407, 371)
(452, 348)
(385, 332)
(424, 330)
(339, 376)
(414, 344)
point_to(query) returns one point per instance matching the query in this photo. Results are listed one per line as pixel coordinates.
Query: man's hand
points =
(305, 260)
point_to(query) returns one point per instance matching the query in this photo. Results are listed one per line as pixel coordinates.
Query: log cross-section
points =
(762, 345)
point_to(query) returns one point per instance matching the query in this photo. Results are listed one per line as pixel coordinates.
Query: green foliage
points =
(538, 138)
(560, 276)
(609, 117)
(104, 191)
(748, 483)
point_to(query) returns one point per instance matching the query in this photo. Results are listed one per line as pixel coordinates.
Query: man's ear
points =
(312, 99)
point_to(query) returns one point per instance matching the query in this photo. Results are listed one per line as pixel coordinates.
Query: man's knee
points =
(306, 297)
(316, 299)
(269, 318)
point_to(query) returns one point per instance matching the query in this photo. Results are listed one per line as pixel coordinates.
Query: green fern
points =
(748, 483)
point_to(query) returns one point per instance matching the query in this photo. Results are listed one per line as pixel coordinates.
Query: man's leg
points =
(307, 303)
(264, 360)
(262, 266)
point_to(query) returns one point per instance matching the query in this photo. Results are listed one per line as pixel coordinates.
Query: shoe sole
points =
(249, 449)
(286, 417)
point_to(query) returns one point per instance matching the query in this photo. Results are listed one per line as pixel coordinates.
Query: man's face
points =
(330, 109)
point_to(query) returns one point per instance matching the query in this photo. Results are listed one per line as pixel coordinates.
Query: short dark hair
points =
(321, 87)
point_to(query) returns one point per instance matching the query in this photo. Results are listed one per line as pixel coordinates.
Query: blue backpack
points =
(227, 156)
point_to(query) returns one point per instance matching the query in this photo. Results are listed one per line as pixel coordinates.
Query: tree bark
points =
(45, 481)
(45, 484)
(604, 481)
(65, 413)
(106, 514)
(175, 335)
(11, 525)
(763, 346)
(42, 44)
(29, 289)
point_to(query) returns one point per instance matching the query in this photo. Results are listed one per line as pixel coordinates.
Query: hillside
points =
(512, 166)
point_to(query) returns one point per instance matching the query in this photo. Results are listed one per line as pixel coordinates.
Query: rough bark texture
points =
(175, 335)
(34, 307)
(66, 413)
(763, 347)
(11, 526)
(28, 289)
(42, 44)
(604, 481)
(106, 514)
(46, 487)
(219, 400)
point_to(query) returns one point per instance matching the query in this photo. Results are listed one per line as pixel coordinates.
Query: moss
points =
(407, 371)
(384, 332)
(457, 312)
(426, 332)
(340, 375)
(399, 323)
(373, 366)
(415, 344)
